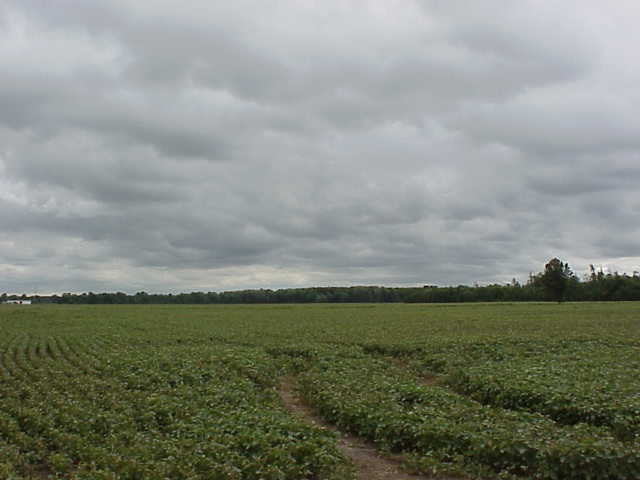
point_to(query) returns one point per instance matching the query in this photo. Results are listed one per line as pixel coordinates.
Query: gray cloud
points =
(251, 145)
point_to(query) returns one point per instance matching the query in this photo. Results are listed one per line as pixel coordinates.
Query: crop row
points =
(594, 382)
(598, 386)
(24, 356)
(374, 398)
(135, 413)
(590, 381)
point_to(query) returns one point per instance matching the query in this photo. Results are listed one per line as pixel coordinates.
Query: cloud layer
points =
(245, 144)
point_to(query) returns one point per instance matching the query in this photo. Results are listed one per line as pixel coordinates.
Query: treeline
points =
(609, 287)
(598, 287)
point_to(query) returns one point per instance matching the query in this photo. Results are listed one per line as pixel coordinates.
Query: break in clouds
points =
(223, 145)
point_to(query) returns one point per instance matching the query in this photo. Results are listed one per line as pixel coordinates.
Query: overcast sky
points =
(213, 145)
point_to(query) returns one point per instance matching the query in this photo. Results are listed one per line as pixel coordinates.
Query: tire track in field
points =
(369, 463)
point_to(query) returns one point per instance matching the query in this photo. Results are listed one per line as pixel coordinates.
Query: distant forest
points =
(556, 283)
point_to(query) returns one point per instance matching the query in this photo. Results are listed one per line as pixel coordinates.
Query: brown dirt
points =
(369, 463)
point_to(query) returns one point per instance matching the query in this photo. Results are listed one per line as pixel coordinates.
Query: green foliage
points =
(375, 399)
(557, 282)
(147, 412)
(187, 392)
(593, 382)
(556, 279)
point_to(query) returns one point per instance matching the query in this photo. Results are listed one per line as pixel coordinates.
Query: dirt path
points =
(369, 463)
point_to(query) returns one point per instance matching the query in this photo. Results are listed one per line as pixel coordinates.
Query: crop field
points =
(502, 391)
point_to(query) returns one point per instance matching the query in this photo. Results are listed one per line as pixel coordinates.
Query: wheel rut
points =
(369, 463)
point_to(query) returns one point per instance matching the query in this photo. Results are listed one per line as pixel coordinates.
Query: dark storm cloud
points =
(244, 144)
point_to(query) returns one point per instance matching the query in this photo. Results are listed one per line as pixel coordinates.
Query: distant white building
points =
(19, 302)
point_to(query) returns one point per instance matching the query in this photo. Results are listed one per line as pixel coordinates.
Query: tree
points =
(555, 279)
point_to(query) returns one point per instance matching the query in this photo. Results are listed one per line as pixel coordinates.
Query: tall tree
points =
(555, 279)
